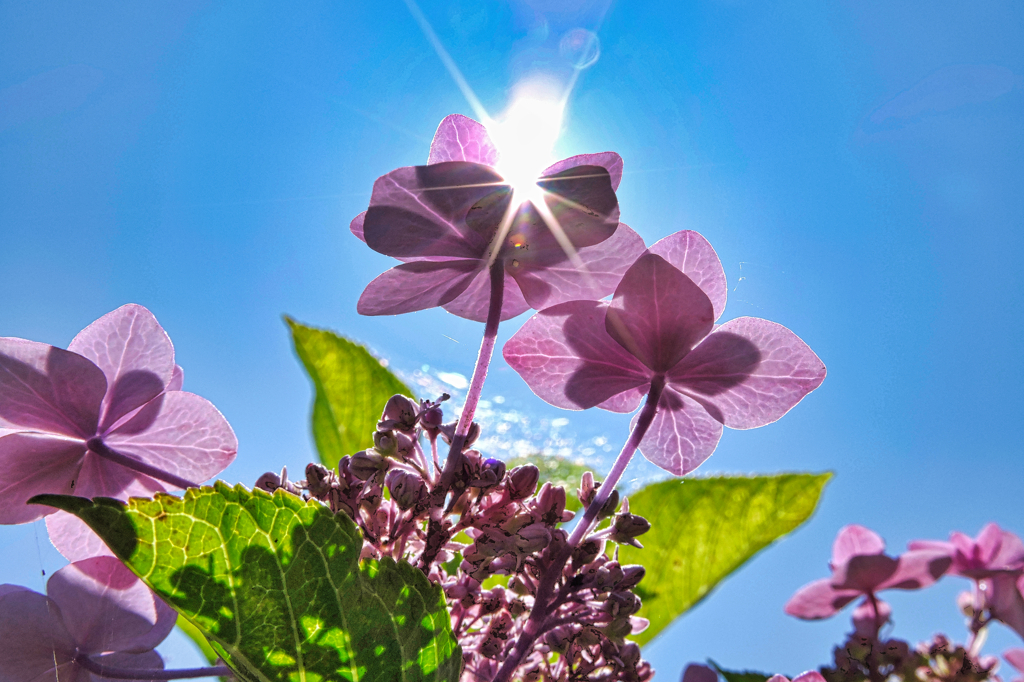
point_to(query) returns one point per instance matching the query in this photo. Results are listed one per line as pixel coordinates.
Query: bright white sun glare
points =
(525, 137)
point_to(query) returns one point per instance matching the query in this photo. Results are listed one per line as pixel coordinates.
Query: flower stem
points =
(103, 450)
(116, 673)
(546, 600)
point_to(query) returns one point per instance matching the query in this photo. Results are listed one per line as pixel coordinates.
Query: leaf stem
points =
(103, 450)
(117, 673)
(546, 601)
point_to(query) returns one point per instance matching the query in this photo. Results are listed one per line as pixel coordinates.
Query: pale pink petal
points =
(869, 616)
(854, 540)
(180, 433)
(658, 314)
(604, 265)
(819, 600)
(627, 401)
(417, 286)
(421, 211)
(917, 569)
(459, 138)
(989, 542)
(568, 359)
(49, 389)
(474, 302)
(135, 354)
(356, 226)
(34, 639)
(809, 676)
(1005, 601)
(610, 161)
(778, 678)
(1015, 657)
(146, 661)
(865, 573)
(177, 379)
(8, 588)
(693, 255)
(695, 672)
(582, 204)
(937, 545)
(32, 464)
(682, 434)
(107, 608)
(1010, 552)
(97, 477)
(749, 372)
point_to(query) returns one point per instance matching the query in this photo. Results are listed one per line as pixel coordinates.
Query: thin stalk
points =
(117, 673)
(546, 600)
(100, 448)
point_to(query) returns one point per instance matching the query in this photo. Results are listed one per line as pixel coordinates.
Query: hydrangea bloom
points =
(95, 613)
(107, 417)
(660, 326)
(1015, 657)
(449, 219)
(995, 561)
(861, 568)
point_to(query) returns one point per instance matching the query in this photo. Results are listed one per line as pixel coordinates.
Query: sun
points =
(526, 138)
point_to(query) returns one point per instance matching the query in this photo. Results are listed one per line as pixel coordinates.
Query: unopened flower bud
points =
(585, 493)
(366, 464)
(630, 654)
(522, 481)
(533, 538)
(495, 467)
(618, 628)
(964, 600)
(559, 638)
(318, 480)
(610, 505)
(268, 482)
(551, 504)
(448, 434)
(608, 576)
(631, 577)
(586, 552)
(407, 489)
(431, 418)
(384, 443)
(627, 526)
(399, 413)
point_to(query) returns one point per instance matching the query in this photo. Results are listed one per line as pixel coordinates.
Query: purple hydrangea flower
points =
(448, 220)
(860, 567)
(107, 417)
(95, 613)
(660, 326)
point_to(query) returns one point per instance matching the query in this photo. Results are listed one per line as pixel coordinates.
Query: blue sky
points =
(855, 164)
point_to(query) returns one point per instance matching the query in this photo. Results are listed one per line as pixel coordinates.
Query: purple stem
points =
(100, 448)
(116, 673)
(546, 601)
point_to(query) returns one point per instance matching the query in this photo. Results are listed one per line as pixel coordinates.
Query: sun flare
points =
(526, 138)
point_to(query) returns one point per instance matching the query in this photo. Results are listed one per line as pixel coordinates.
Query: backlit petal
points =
(682, 434)
(610, 161)
(34, 638)
(417, 286)
(475, 300)
(819, 600)
(854, 540)
(32, 464)
(460, 138)
(693, 255)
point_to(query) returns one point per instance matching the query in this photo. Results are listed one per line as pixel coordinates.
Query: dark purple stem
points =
(115, 673)
(100, 448)
(546, 601)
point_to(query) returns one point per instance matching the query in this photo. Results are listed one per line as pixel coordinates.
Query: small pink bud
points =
(522, 481)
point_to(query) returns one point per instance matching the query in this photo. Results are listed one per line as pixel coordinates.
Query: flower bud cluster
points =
(862, 659)
(488, 539)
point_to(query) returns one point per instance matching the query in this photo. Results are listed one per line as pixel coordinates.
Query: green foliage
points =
(351, 390)
(736, 676)
(276, 585)
(703, 529)
(558, 471)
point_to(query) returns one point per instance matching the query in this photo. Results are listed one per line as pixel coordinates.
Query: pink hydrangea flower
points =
(95, 609)
(860, 567)
(660, 326)
(696, 672)
(444, 221)
(107, 417)
(995, 561)
(1015, 657)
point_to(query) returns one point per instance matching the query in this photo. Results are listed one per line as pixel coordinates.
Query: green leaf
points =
(557, 471)
(736, 676)
(276, 585)
(199, 639)
(351, 386)
(703, 529)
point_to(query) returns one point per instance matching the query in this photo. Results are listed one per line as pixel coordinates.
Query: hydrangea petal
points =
(682, 434)
(135, 354)
(474, 301)
(1015, 657)
(420, 211)
(36, 645)
(460, 138)
(582, 203)
(177, 379)
(695, 672)
(865, 573)
(148, 660)
(33, 464)
(610, 161)
(809, 676)
(749, 372)
(48, 389)
(1006, 602)
(568, 359)
(694, 256)
(917, 569)
(658, 314)
(180, 433)
(96, 478)
(819, 600)
(604, 265)
(627, 401)
(854, 540)
(416, 286)
(869, 616)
